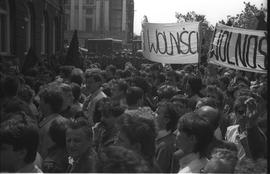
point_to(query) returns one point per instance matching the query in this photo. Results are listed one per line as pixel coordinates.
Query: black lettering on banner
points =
(263, 52)
(254, 51)
(225, 46)
(165, 42)
(244, 50)
(228, 40)
(189, 41)
(217, 55)
(238, 51)
(177, 43)
(152, 47)
(187, 44)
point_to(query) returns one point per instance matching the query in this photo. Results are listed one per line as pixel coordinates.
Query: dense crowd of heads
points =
(152, 118)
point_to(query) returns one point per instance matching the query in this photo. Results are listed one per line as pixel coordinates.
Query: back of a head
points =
(22, 134)
(133, 95)
(211, 114)
(77, 76)
(10, 86)
(142, 131)
(117, 159)
(195, 83)
(193, 124)
(83, 124)
(57, 131)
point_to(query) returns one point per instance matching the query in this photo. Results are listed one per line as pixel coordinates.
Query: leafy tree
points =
(250, 18)
(74, 57)
(190, 17)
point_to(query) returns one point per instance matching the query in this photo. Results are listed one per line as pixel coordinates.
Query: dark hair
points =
(76, 76)
(57, 131)
(108, 109)
(218, 91)
(81, 124)
(171, 113)
(240, 101)
(211, 114)
(21, 134)
(195, 84)
(133, 95)
(117, 159)
(26, 93)
(208, 101)
(193, 124)
(10, 86)
(141, 83)
(140, 130)
(167, 91)
(76, 91)
(52, 95)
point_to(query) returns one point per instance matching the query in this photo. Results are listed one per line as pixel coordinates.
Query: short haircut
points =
(140, 130)
(52, 95)
(167, 91)
(208, 101)
(133, 95)
(95, 73)
(172, 114)
(10, 85)
(218, 92)
(21, 134)
(57, 131)
(81, 124)
(240, 101)
(195, 83)
(76, 91)
(121, 83)
(107, 108)
(117, 159)
(193, 124)
(26, 93)
(77, 76)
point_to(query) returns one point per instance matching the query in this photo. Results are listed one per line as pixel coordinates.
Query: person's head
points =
(134, 96)
(118, 89)
(19, 142)
(78, 138)
(193, 85)
(57, 131)
(117, 159)
(65, 72)
(240, 108)
(109, 112)
(224, 81)
(138, 134)
(194, 134)
(110, 71)
(67, 94)
(51, 99)
(171, 77)
(211, 114)
(26, 93)
(15, 105)
(215, 93)
(76, 91)
(207, 101)
(166, 92)
(76, 76)
(10, 86)
(222, 161)
(93, 79)
(167, 116)
(182, 103)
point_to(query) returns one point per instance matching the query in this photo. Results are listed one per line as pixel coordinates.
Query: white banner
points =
(239, 48)
(175, 43)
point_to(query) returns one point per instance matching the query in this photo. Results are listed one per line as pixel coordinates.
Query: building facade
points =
(37, 24)
(99, 19)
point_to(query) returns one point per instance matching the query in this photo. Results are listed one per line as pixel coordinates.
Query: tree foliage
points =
(190, 17)
(250, 18)
(74, 57)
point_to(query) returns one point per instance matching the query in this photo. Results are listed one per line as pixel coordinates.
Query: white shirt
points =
(192, 163)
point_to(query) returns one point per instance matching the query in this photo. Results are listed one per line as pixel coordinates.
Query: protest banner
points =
(175, 43)
(239, 48)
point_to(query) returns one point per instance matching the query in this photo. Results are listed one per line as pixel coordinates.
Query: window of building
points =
(88, 24)
(4, 26)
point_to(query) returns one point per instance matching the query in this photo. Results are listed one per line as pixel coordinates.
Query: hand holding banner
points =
(239, 48)
(171, 43)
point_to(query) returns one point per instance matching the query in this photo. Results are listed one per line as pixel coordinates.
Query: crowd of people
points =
(155, 118)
